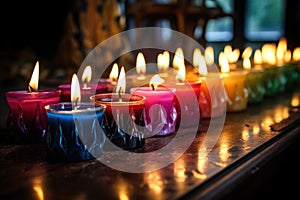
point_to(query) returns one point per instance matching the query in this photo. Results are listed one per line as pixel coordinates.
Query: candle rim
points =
(140, 101)
(40, 94)
(80, 108)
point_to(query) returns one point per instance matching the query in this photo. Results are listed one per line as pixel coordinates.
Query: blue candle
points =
(74, 132)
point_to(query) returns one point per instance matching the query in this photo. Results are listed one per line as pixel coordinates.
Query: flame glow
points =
(121, 86)
(163, 61)
(34, 81)
(87, 74)
(140, 64)
(75, 90)
(155, 81)
(247, 52)
(223, 62)
(209, 55)
(196, 57)
(181, 73)
(258, 57)
(269, 54)
(178, 59)
(296, 54)
(202, 66)
(246, 63)
(114, 72)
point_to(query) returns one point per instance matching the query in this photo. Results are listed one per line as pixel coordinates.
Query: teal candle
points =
(74, 132)
(255, 85)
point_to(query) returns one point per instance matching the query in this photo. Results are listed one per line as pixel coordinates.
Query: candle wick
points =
(152, 86)
(84, 85)
(76, 103)
(120, 97)
(30, 89)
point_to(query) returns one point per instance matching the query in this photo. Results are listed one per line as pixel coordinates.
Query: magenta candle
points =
(27, 115)
(86, 92)
(186, 102)
(160, 113)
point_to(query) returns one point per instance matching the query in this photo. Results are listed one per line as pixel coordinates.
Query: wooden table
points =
(247, 155)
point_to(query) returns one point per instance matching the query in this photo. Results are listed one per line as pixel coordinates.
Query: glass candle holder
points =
(186, 102)
(74, 133)
(255, 85)
(86, 92)
(27, 116)
(160, 113)
(212, 96)
(123, 122)
(271, 80)
(291, 74)
(236, 91)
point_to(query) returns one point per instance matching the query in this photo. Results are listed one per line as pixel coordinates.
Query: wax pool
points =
(74, 134)
(160, 113)
(123, 122)
(27, 115)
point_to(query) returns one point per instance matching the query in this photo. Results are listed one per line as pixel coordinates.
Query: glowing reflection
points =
(280, 114)
(223, 154)
(38, 188)
(245, 133)
(155, 182)
(256, 129)
(179, 171)
(201, 164)
(122, 188)
(267, 121)
(295, 102)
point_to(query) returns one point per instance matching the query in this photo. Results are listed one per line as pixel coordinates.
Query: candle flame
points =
(232, 56)
(223, 62)
(178, 59)
(75, 90)
(209, 55)
(258, 57)
(87, 74)
(34, 81)
(269, 53)
(121, 86)
(246, 63)
(296, 54)
(287, 56)
(114, 72)
(202, 66)
(247, 52)
(281, 49)
(140, 64)
(181, 73)
(196, 57)
(155, 81)
(163, 61)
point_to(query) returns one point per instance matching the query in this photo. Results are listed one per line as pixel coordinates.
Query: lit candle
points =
(163, 62)
(254, 82)
(186, 100)
(27, 115)
(234, 83)
(124, 116)
(140, 66)
(232, 56)
(74, 132)
(212, 96)
(87, 89)
(112, 79)
(178, 59)
(160, 113)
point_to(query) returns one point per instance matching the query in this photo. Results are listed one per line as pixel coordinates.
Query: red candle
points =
(27, 115)
(160, 113)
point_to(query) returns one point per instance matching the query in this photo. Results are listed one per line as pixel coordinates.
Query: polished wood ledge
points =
(255, 156)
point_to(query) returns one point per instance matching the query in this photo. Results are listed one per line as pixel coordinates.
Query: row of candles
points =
(79, 117)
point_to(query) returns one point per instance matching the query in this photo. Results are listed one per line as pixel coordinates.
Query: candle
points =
(254, 82)
(186, 99)
(27, 116)
(160, 113)
(234, 83)
(74, 131)
(212, 95)
(123, 121)
(87, 89)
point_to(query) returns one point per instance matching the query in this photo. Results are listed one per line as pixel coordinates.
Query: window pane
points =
(220, 29)
(264, 20)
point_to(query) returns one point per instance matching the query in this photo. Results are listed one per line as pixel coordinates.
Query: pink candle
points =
(86, 92)
(160, 114)
(27, 114)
